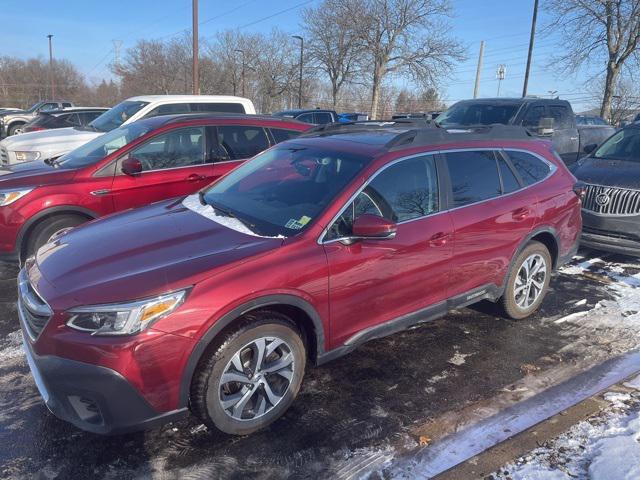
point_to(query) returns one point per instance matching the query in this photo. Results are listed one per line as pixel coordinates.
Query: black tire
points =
(13, 128)
(508, 301)
(206, 388)
(44, 230)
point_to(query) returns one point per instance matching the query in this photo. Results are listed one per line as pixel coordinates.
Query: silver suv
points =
(12, 122)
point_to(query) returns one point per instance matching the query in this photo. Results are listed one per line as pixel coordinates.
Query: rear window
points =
(530, 168)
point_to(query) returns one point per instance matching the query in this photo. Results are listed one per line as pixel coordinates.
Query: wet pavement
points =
(352, 414)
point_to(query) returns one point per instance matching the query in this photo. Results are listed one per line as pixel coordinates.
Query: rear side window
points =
(530, 168)
(86, 117)
(474, 176)
(218, 107)
(66, 105)
(280, 134)
(509, 181)
(240, 141)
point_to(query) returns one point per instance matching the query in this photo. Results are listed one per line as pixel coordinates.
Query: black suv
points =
(315, 116)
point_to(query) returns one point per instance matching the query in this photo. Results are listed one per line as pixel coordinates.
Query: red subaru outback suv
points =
(134, 165)
(216, 302)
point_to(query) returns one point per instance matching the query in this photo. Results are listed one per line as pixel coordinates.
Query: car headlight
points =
(127, 318)
(7, 197)
(27, 156)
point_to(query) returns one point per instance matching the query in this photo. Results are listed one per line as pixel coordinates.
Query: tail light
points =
(580, 189)
(32, 129)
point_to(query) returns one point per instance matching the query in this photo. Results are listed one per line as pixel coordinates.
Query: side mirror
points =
(590, 148)
(545, 128)
(374, 227)
(131, 166)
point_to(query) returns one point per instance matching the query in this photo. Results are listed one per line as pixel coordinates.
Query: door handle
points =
(195, 177)
(439, 239)
(520, 214)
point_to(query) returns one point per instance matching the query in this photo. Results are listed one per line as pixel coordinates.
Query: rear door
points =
(173, 164)
(491, 214)
(375, 281)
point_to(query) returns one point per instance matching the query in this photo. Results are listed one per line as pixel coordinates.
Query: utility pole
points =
(529, 55)
(501, 72)
(194, 33)
(239, 50)
(476, 88)
(51, 76)
(117, 45)
(301, 63)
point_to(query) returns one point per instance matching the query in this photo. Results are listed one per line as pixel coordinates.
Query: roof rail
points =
(340, 127)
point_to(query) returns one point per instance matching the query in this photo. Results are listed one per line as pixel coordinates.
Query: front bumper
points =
(612, 233)
(93, 398)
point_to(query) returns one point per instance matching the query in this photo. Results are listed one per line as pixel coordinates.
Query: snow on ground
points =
(602, 447)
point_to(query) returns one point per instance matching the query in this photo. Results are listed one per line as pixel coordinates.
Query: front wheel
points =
(528, 281)
(252, 378)
(49, 228)
(15, 129)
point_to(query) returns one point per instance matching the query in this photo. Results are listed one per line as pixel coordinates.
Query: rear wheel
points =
(49, 227)
(252, 378)
(528, 281)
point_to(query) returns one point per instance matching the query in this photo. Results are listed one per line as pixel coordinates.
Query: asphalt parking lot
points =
(353, 415)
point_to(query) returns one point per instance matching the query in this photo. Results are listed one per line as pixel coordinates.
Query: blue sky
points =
(84, 30)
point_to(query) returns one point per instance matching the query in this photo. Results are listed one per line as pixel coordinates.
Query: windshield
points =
(624, 145)
(468, 114)
(282, 191)
(116, 116)
(100, 147)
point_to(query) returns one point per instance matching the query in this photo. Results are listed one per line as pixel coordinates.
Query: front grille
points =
(34, 310)
(4, 156)
(611, 200)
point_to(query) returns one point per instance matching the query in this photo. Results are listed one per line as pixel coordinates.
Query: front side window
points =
(323, 117)
(401, 192)
(117, 115)
(560, 115)
(241, 141)
(477, 113)
(624, 145)
(179, 148)
(534, 116)
(530, 168)
(169, 109)
(283, 190)
(305, 117)
(474, 176)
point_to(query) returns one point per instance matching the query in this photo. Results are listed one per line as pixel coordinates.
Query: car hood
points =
(141, 253)
(33, 174)
(614, 173)
(58, 139)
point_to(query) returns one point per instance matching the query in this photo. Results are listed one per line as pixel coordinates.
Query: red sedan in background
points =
(137, 164)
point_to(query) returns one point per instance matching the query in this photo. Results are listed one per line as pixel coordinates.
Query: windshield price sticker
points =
(294, 224)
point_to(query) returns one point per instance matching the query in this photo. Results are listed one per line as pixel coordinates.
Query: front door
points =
(173, 165)
(375, 281)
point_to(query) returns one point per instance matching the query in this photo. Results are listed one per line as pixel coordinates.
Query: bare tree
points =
(333, 45)
(597, 32)
(404, 37)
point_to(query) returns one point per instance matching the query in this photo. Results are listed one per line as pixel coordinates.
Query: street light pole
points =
(194, 33)
(239, 50)
(298, 37)
(51, 76)
(529, 55)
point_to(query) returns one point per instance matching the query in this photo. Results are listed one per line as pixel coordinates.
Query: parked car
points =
(590, 120)
(316, 116)
(217, 301)
(547, 118)
(133, 165)
(611, 205)
(11, 122)
(54, 143)
(352, 117)
(69, 117)
(426, 115)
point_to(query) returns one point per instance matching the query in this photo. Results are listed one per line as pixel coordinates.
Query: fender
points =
(234, 314)
(50, 211)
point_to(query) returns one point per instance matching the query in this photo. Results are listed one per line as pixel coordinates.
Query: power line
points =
(277, 13)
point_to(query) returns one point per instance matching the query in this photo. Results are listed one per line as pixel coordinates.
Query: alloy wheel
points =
(256, 378)
(530, 281)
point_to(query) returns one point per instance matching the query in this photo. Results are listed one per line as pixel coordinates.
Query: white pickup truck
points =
(54, 143)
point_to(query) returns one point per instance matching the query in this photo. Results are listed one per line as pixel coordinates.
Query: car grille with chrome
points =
(4, 156)
(611, 200)
(34, 310)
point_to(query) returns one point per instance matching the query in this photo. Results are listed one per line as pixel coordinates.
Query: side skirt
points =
(486, 292)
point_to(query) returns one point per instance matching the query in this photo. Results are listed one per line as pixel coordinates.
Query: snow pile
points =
(603, 447)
